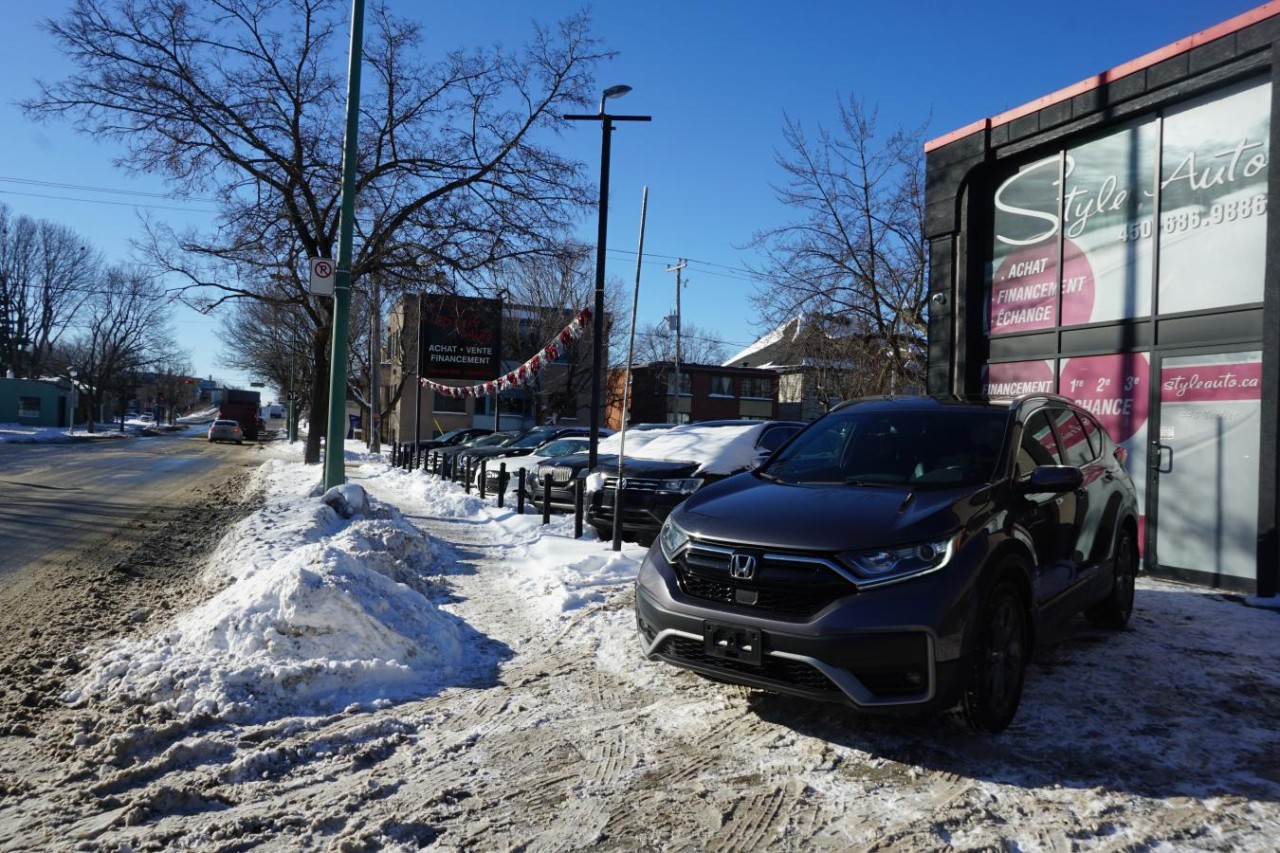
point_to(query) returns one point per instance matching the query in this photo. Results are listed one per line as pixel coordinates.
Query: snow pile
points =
(319, 614)
(316, 613)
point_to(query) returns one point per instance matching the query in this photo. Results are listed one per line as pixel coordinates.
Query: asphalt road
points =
(60, 496)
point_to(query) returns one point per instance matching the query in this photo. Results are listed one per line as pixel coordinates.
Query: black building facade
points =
(1113, 242)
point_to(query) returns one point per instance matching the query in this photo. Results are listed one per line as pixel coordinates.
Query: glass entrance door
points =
(1202, 487)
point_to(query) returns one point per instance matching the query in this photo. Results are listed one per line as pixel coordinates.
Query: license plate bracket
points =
(732, 642)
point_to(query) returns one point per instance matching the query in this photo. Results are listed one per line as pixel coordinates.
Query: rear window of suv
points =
(925, 449)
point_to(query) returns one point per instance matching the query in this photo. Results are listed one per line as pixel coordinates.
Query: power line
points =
(743, 274)
(86, 188)
(105, 201)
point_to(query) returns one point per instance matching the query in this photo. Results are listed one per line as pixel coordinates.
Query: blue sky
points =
(717, 78)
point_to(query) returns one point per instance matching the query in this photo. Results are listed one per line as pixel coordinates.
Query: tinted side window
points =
(1076, 449)
(1038, 447)
(1094, 432)
(773, 438)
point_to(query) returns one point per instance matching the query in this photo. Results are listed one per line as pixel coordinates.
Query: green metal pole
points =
(335, 437)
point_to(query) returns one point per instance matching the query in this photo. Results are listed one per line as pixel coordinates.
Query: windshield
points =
(869, 447)
(495, 438)
(564, 446)
(530, 439)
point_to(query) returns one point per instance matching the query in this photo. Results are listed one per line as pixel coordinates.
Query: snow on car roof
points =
(635, 438)
(718, 449)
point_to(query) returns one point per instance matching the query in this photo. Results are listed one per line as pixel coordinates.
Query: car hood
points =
(653, 468)
(750, 510)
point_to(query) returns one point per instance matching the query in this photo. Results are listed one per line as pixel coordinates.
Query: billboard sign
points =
(460, 337)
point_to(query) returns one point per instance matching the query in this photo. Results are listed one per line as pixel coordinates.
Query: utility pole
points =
(675, 406)
(375, 342)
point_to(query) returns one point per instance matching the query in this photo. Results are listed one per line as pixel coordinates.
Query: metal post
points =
(417, 381)
(502, 482)
(546, 499)
(597, 329)
(484, 469)
(578, 483)
(675, 405)
(597, 318)
(335, 438)
(520, 492)
(375, 355)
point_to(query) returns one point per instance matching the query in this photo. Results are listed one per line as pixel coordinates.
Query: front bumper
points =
(643, 512)
(854, 652)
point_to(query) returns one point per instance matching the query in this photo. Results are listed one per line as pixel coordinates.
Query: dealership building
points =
(1113, 242)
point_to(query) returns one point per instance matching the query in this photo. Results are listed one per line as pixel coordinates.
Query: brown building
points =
(707, 392)
(559, 392)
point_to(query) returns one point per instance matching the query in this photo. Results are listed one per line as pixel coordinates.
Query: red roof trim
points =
(1239, 22)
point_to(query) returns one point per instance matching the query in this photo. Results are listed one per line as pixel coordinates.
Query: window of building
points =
(759, 387)
(666, 386)
(721, 386)
(443, 403)
(28, 407)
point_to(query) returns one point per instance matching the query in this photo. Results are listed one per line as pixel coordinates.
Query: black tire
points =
(605, 533)
(1114, 610)
(998, 661)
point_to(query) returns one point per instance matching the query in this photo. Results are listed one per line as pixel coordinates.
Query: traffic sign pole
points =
(335, 438)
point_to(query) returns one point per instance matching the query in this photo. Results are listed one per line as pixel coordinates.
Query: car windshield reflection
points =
(942, 449)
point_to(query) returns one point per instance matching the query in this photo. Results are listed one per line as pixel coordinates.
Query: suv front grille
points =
(795, 673)
(788, 584)
(638, 484)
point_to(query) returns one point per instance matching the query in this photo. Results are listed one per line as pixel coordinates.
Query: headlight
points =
(684, 486)
(672, 539)
(895, 564)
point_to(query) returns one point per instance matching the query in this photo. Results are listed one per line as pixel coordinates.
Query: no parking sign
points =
(322, 273)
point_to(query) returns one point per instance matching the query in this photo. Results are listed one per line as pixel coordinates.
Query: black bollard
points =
(484, 469)
(520, 492)
(578, 490)
(502, 482)
(546, 499)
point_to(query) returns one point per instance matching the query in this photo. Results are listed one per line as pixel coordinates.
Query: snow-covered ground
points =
(437, 672)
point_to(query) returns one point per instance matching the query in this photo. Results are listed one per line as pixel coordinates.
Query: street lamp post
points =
(72, 372)
(597, 336)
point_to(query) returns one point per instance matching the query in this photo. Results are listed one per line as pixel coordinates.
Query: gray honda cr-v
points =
(899, 554)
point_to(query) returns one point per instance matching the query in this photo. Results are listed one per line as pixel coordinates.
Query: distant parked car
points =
(453, 438)
(566, 470)
(550, 451)
(525, 444)
(446, 457)
(225, 429)
(900, 554)
(660, 475)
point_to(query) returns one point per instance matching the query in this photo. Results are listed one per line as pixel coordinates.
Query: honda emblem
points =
(742, 567)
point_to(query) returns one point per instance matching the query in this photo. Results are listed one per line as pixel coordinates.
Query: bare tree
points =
(126, 333)
(46, 272)
(245, 98)
(657, 342)
(854, 260)
(545, 292)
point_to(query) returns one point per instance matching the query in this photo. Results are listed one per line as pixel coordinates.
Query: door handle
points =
(1158, 458)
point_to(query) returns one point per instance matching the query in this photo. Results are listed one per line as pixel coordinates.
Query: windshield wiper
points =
(858, 481)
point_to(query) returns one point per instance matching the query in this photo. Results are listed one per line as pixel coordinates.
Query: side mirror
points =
(1053, 479)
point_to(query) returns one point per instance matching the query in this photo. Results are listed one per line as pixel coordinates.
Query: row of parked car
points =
(896, 554)
(659, 465)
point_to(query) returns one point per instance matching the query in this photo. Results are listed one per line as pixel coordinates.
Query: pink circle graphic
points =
(1024, 291)
(1111, 387)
